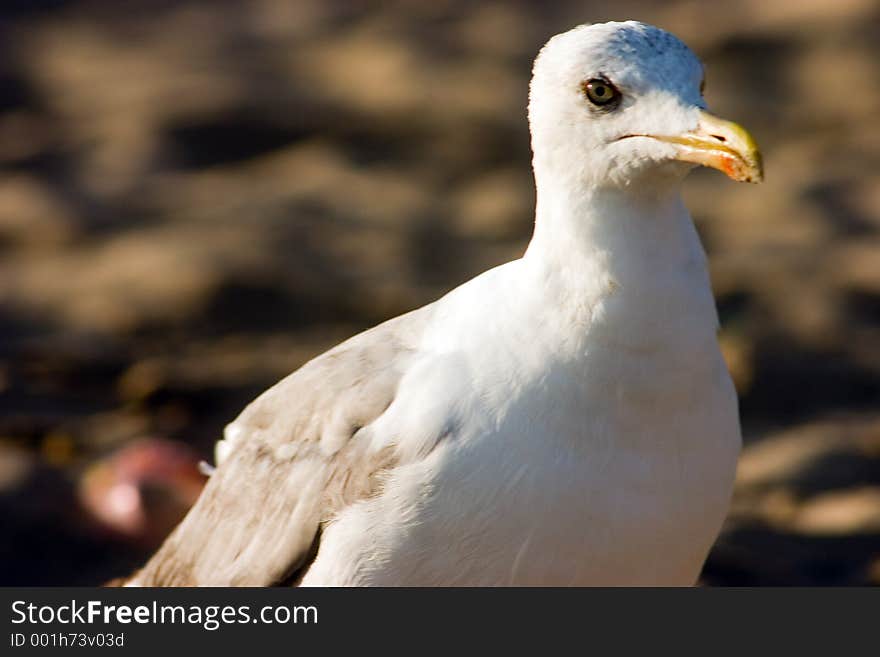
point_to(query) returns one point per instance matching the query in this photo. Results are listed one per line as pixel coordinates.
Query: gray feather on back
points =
(299, 454)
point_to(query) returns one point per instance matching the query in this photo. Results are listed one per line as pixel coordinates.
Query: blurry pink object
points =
(144, 489)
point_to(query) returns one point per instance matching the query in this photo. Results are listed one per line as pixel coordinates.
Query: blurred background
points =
(197, 197)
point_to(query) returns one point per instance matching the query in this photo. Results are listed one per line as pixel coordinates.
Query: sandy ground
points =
(197, 197)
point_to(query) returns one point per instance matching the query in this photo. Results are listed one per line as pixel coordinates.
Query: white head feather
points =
(659, 81)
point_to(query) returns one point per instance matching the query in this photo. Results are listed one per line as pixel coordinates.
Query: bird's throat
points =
(630, 229)
(633, 259)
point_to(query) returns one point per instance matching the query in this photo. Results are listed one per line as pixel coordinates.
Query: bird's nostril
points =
(719, 138)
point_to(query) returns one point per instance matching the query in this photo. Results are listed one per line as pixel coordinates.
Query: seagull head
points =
(621, 104)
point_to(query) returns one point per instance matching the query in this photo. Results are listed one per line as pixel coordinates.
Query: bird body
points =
(563, 419)
(561, 450)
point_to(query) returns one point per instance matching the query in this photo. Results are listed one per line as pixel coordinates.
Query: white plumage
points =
(563, 419)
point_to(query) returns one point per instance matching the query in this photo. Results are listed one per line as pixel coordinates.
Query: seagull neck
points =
(632, 255)
(622, 231)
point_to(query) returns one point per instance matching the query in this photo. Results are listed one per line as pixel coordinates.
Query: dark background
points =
(196, 197)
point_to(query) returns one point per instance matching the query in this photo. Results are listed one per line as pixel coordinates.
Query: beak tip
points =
(755, 177)
(738, 156)
(755, 174)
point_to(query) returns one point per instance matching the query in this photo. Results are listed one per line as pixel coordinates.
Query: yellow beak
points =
(722, 145)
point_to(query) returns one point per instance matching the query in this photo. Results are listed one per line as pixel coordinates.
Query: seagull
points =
(562, 419)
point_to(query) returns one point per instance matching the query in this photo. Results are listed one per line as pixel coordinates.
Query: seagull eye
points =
(600, 92)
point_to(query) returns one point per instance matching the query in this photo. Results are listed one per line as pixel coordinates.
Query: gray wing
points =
(298, 455)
